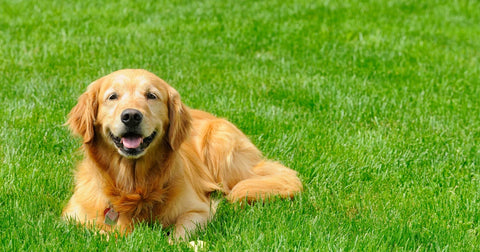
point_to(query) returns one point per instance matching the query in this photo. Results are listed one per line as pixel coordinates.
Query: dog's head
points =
(132, 110)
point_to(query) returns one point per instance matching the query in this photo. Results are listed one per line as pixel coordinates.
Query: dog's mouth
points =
(132, 144)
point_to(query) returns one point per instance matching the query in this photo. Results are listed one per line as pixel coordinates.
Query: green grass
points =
(375, 103)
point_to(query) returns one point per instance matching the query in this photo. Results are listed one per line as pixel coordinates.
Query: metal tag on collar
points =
(111, 216)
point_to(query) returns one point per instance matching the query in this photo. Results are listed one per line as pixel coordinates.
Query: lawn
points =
(375, 104)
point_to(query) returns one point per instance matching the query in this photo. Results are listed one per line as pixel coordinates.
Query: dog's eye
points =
(151, 96)
(113, 96)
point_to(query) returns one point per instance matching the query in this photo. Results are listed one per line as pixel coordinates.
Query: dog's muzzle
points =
(132, 143)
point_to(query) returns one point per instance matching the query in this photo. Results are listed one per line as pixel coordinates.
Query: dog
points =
(150, 158)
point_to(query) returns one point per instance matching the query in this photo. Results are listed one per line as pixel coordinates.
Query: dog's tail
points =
(269, 179)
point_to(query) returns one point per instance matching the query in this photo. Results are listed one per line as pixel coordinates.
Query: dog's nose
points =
(131, 117)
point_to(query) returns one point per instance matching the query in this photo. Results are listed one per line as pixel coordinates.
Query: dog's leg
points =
(228, 154)
(73, 211)
(271, 179)
(188, 222)
(239, 166)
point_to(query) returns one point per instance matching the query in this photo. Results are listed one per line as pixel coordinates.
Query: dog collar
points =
(111, 216)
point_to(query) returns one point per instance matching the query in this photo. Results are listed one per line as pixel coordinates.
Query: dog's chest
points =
(143, 203)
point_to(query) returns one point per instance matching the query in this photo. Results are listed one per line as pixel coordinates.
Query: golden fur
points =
(191, 155)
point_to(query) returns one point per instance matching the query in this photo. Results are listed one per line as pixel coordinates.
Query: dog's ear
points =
(81, 118)
(180, 120)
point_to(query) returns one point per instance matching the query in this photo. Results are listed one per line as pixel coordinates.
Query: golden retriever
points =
(148, 157)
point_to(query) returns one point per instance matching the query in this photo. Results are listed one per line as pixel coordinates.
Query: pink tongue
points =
(131, 142)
